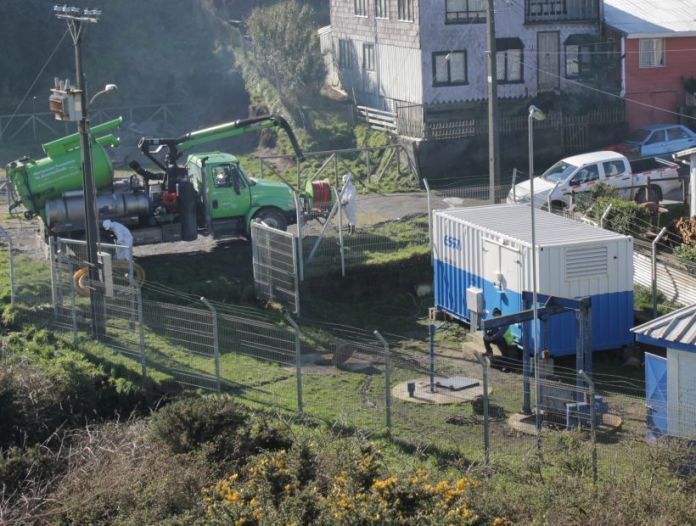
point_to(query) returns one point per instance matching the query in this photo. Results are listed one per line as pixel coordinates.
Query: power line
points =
(601, 91)
(36, 79)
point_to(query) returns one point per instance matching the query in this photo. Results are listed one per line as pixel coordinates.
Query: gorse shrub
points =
(226, 430)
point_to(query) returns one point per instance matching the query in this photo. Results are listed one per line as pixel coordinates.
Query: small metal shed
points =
(486, 251)
(670, 383)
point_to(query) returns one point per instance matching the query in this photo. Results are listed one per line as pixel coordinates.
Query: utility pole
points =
(76, 19)
(493, 129)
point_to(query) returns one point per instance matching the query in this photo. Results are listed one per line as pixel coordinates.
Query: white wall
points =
(681, 393)
(438, 36)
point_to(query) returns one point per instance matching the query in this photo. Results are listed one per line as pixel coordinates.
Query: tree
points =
(286, 47)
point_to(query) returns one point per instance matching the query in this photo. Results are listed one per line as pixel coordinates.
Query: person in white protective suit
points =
(123, 238)
(349, 201)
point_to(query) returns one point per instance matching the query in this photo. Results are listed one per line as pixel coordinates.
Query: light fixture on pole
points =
(534, 114)
(109, 88)
(76, 19)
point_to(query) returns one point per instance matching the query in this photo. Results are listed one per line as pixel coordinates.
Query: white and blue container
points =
(487, 251)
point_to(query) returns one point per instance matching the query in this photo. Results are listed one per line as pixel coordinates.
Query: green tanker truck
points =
(208, 194)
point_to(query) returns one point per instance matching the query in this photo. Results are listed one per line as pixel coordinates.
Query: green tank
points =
(33, 182)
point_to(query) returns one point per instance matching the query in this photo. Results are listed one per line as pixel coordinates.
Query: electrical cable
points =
(36, 79)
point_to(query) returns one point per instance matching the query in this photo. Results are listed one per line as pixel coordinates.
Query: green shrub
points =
(10, 317)
(626, 217)
(686, 251)
(187, 424)
(19, 467)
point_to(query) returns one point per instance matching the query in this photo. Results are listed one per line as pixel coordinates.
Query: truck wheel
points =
(558, 207)
(273, 218)
(654, 194)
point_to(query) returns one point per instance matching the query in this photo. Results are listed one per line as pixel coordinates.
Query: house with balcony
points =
(657, 42)
(425, 56)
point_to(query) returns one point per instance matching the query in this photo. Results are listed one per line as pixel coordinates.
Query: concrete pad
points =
(441, 396)
(527, 424)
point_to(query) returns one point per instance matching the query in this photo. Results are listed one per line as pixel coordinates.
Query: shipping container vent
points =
(586, 262)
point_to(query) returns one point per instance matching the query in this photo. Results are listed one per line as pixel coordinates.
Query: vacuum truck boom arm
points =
(179, 145)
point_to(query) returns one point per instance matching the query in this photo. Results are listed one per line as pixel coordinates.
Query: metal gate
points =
(276, 275)
(656, 394)
(120, 305)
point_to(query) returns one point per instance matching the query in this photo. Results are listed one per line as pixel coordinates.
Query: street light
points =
(109, 88)
(534, 114)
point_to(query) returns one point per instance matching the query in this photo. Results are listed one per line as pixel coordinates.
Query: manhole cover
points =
(457, 383)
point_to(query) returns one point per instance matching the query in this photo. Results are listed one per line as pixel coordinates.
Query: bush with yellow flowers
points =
(293, 487)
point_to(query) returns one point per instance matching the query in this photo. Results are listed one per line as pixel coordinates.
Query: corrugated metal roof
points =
(641, 18)
(515, 222)
(677, 329)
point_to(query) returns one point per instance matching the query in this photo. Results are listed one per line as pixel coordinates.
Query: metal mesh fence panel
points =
(275, 265)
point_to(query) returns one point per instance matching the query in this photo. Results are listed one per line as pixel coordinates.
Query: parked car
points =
(580, 173)
(661, 140)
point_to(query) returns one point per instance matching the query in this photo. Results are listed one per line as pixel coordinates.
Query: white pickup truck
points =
(579, 173)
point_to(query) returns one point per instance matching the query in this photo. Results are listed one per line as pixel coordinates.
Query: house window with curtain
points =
(579, 51)
(345, 54)
(369, 57)
(652, 52)
(465, 11)
(510, 60)
(382, 8)
(405, 10)
(360, 7)
(449, 68)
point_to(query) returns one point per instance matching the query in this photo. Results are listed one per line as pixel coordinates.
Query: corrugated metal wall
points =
(676, 285)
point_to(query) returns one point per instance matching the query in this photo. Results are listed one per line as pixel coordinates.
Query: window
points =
(656, 137)
(369, 57)
(465, 11)
(578, 61)
(405, 10)
(345, 54)
(676, 134)
(546, 7)
(382, 8)
(509, 59)
(652, 52)
(360, 7)
(614, 168)
(226, 176)
(449, 68)
(586, 175)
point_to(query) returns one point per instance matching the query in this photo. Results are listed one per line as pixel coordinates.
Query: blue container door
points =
(656, 394)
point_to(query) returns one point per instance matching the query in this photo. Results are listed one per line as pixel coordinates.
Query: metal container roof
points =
(643, 19)
(676, 330)
(514, 222)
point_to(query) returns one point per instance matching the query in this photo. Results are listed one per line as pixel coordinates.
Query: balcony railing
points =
(546, 11)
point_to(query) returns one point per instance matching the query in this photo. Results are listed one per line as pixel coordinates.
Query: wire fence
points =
(442, 398)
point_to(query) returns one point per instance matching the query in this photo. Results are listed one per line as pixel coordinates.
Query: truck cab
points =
(580, 173)
(228, 199)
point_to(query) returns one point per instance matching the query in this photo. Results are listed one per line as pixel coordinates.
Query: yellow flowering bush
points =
(287, 487)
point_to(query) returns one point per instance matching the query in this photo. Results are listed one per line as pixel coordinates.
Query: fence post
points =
(604, 215)
(387, 381)
(484, 361)
(340, 231)
(73, 309)
(298, 362)
(54, 291)
(593, 423)
(216, 344)
(514, 184)
(431, 332)
(430, 219)
(141, 330)
(300, 242)
(8, 239)
(653, 267)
